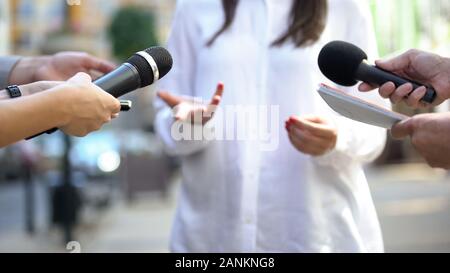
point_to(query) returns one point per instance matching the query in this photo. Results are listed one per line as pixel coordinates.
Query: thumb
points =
(398, 63)
(402, 129)
(81, 78)
(169, 99)
(315, 119)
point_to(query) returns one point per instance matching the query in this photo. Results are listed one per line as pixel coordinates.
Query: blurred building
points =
(4, 27)
(51, 25)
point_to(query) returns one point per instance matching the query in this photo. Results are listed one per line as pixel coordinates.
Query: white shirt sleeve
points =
(183, 44)
(358, 142)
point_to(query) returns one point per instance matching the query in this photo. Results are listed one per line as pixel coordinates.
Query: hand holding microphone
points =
(345, 64)
(90, 106)
(420, 66)
(141, 70)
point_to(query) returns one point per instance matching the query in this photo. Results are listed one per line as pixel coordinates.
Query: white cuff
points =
(182, 138)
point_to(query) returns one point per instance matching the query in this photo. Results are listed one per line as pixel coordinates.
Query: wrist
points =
(6, 94)
(61, 96)
(26, 89)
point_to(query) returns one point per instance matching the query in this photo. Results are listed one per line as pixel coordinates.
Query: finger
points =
(320, 130)
(402, 129)
(401, 93)
(169, 99)
(97, 64)
(216, 100)
(397, 63)
(114, 116)
(81, 78)
(365, 87)
(287, 125)
(387, 89)
(303, 147)
(115, 107)
(415, 97)
(309, 139)
(218, 94)
(315, 119)
(210, 109)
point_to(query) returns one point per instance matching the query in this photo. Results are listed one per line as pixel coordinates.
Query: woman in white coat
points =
(306, 192)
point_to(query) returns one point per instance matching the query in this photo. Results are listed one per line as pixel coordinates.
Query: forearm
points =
(30, 89)
(24, 117)
(4, 95)
(172, 136)
(26, 90)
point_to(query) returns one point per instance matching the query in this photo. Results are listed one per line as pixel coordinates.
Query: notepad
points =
(357, 109)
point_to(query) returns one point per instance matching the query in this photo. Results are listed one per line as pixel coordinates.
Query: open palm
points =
(188, 110)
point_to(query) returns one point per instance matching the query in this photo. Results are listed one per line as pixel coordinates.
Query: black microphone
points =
(345, 64)
(142, 69)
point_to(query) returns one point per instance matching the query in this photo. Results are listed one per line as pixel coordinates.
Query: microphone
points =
(142, 69)
(346, 64)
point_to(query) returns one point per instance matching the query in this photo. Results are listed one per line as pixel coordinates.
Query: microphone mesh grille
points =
(162, 58)
(339, 62)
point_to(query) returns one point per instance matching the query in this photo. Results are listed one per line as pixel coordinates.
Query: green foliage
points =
(132, 29)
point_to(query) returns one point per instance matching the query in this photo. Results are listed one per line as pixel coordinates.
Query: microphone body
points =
(377, 76)
(120, 81)
(345, 64)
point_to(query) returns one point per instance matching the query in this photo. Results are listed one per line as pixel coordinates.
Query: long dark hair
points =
(307, 21)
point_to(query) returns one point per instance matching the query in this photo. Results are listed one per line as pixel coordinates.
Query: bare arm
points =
(30, 89)
(77, 107)
(27, 116)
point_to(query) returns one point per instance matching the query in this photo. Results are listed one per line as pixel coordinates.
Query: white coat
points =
(237, 197)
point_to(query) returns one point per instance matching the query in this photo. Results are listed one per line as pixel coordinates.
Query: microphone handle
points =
(377, 76)
(119, 82)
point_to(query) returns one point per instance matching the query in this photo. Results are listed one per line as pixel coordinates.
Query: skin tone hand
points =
(59, 67)
(77, 107)
(187, 110)
(312, 135)
(430, 135)
(90, 107)
(419, 66)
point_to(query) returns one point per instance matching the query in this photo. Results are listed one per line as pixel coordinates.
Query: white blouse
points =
(237, 196)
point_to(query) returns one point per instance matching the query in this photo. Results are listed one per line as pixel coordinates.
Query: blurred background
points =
(115, 190)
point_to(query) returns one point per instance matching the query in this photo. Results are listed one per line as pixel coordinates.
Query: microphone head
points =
(339, 62)
(152, 64)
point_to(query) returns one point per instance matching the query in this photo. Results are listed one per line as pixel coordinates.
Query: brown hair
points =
(307, 22)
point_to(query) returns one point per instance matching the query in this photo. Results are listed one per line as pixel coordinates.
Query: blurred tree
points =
(132, 29)
(396, 24)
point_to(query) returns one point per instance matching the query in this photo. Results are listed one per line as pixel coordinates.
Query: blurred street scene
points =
(116, 190)
(413, 204)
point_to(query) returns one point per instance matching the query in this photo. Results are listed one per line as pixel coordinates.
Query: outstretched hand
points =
(187, 110)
